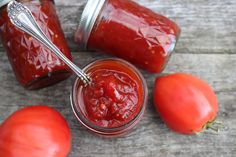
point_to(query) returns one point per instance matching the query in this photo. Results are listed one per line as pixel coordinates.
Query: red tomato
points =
(37, 131)
(185, 103)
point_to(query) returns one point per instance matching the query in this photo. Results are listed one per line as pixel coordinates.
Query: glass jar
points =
(35, 66)
(128, 30)
(114, 102)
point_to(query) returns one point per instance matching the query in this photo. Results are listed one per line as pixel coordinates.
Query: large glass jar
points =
(128, 30)
(35, 66)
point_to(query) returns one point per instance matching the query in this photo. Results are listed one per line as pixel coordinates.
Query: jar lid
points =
(4, 2)
(87, 21)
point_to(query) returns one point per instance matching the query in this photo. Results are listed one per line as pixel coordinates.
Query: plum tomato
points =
(185, 103)
(35, 131)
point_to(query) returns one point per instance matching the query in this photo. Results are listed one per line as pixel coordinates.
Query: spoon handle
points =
(22, 18)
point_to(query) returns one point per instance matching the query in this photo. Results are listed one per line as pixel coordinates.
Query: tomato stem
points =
(214, 125)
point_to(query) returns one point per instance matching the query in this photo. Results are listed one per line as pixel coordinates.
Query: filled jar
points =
(35, 66)
(115, 100)
(128, 30)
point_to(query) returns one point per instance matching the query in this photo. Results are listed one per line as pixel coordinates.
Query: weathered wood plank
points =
(207, 26)
(151, 138)
(208, 33)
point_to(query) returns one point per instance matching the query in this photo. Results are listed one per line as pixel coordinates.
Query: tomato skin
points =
(185, 103)
(36, 131)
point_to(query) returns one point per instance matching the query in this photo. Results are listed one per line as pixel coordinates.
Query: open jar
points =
(35, 66)
(114, 102)
(129, 31)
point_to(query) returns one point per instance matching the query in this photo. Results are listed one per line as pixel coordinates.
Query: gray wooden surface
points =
(207, 48)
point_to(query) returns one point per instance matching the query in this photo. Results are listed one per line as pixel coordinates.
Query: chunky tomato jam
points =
(115, 97)
(34, 65)
(135, 33)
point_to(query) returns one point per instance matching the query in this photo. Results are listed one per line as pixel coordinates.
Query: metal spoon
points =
(22, 18)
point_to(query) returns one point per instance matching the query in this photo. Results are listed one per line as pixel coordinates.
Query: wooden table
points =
(207, 48)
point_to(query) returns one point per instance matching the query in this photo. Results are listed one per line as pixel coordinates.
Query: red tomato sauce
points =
(115, 96)
(134, 33)
(35, 66)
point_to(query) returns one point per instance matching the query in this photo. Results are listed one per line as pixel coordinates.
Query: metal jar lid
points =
(4, 2)
(87, 21)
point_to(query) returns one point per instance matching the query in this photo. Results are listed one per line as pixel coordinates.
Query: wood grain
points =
(207, 48)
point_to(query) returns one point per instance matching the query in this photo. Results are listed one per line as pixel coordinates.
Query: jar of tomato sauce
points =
(129, 31)
(35, 66)
(114, 102)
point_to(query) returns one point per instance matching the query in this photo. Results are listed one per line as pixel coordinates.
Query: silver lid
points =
(4, 2)
(87, 21)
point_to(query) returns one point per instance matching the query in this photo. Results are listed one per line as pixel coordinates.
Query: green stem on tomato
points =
(214, 125)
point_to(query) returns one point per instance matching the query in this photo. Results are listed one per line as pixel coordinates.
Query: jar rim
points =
(87, 21)
(104, 130)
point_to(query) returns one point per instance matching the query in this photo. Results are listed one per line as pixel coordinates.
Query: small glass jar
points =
(113, 104)
(35, 66)
(128, 30)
